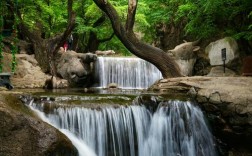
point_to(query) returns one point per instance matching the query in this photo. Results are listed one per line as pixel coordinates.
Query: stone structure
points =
(184, 54)
(213, 50)
(77, 68)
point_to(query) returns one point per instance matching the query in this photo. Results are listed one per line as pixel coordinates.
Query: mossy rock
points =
(22, 133)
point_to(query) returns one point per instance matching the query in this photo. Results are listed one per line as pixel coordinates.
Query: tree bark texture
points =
(94, 41)
(156, 56)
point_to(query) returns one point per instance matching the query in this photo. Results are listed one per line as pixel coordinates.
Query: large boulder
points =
(77, 68)
(28, 74)
(185, 56)
(23, 134)
(213, 50)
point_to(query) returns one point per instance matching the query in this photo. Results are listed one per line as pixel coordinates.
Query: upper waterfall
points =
(130, 73)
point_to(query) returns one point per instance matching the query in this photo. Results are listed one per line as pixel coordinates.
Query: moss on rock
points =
(21, 133)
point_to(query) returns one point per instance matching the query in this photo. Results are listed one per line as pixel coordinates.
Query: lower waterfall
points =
(130, 73)
(176, 128)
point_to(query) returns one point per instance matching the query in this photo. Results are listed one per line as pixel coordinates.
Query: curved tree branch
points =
(156, 56)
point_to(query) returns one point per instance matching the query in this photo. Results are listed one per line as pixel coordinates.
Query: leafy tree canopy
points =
(205, 17)
(202, 18)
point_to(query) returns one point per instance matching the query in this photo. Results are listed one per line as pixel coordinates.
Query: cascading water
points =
(175, 129)
(133, 73)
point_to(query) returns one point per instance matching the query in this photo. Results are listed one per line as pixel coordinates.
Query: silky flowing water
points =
(175, 128)
(131, 73)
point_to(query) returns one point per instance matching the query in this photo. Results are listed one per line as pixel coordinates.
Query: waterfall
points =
(175, 129)
(131, 73)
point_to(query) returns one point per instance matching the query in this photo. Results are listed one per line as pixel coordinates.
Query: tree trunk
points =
(156, 56)
(46, 49)
(93, 41)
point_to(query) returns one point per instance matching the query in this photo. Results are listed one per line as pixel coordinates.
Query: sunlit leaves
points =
(49, 16)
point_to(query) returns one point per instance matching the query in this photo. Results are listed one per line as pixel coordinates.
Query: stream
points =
(125, 124)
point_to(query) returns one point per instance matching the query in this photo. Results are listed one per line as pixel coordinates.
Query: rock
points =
(192, 92)
(25, 47)
(3, 88)
(213, 50)
(185, 56)
(106, 52)
(226, 101)
(186, 66)
(55, 82)
(202, 66)
(112, 85)
(218, 71)
(185, 50)
(27, 72)
(75, 67)
(21, 133)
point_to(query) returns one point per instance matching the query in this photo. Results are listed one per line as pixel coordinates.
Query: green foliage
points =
(116, 45)
(14, 48)
(1, 36)
(1, 44)
(202, 18)
(208, 17)
(49, 18)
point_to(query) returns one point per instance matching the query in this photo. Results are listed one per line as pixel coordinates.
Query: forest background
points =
(161, 23)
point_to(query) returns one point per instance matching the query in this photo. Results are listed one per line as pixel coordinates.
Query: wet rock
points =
(22, 133)
(227, 103)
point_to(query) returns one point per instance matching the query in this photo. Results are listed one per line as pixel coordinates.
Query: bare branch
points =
(156, 56)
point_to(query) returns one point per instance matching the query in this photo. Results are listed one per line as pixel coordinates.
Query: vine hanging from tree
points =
(1, 37)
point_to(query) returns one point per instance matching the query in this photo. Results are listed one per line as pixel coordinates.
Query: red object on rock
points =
(247, 66)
